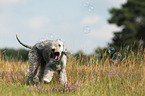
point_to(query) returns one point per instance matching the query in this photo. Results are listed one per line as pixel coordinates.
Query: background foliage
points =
(19, 54)
(131, 17)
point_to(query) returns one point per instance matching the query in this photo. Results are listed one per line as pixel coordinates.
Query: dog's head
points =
(57, 49)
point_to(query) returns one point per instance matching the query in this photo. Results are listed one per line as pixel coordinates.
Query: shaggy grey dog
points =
(48, 56)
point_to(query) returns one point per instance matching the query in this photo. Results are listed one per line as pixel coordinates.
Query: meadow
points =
(86, 77)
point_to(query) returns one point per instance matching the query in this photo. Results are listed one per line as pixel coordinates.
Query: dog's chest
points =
(54, 64)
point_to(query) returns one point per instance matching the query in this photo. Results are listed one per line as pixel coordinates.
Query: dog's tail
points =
(22, 43)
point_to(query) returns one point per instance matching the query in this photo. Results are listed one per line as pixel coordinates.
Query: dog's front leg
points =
(62, 76)
(48, 74)
(62, 73)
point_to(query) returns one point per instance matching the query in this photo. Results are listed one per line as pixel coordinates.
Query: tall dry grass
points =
(94, 76)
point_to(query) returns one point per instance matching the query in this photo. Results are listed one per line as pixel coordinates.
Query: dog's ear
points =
(40, 46)
(64, 48)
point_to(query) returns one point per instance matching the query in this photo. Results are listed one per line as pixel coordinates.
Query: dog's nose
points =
(53, 50)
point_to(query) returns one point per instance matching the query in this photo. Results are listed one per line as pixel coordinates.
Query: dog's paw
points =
(46, 81)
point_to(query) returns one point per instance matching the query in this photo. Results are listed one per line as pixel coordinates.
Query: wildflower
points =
(34, 85)
(70, 88)
(65, 89)
(68, 84)
(48, 89)
(39, 87)
(30, 89)
(56, 90)
(78, 84)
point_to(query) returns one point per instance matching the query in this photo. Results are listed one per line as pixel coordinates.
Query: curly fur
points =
(42, 56)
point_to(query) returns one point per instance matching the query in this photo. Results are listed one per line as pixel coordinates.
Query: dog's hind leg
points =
(34, 62)
(41, 70)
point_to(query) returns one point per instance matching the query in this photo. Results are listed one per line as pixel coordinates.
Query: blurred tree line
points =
(13, 54)
(22, 54)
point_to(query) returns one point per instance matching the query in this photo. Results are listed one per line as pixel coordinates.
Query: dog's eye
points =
(59, 45)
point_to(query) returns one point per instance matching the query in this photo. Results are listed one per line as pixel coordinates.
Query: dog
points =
(49, 56)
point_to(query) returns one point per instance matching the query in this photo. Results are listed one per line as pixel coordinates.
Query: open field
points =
(86, 77)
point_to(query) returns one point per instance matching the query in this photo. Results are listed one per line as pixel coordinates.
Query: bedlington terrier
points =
(49, 56)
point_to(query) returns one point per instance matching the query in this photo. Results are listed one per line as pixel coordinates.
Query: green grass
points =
(87, 77)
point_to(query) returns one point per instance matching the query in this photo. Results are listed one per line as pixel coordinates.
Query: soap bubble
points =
(69, 54)
(116, 57)
(24, 67)
(26, 72)
(127, 47)
(86, 4)
(35, 79)
(111, 50)
(51, 35)
(87, 29)
(47, 36)
(89, 6)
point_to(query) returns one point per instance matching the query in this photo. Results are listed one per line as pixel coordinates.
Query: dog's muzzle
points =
(55, 55)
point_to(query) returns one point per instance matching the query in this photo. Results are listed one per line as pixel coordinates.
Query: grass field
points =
(86, 77)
